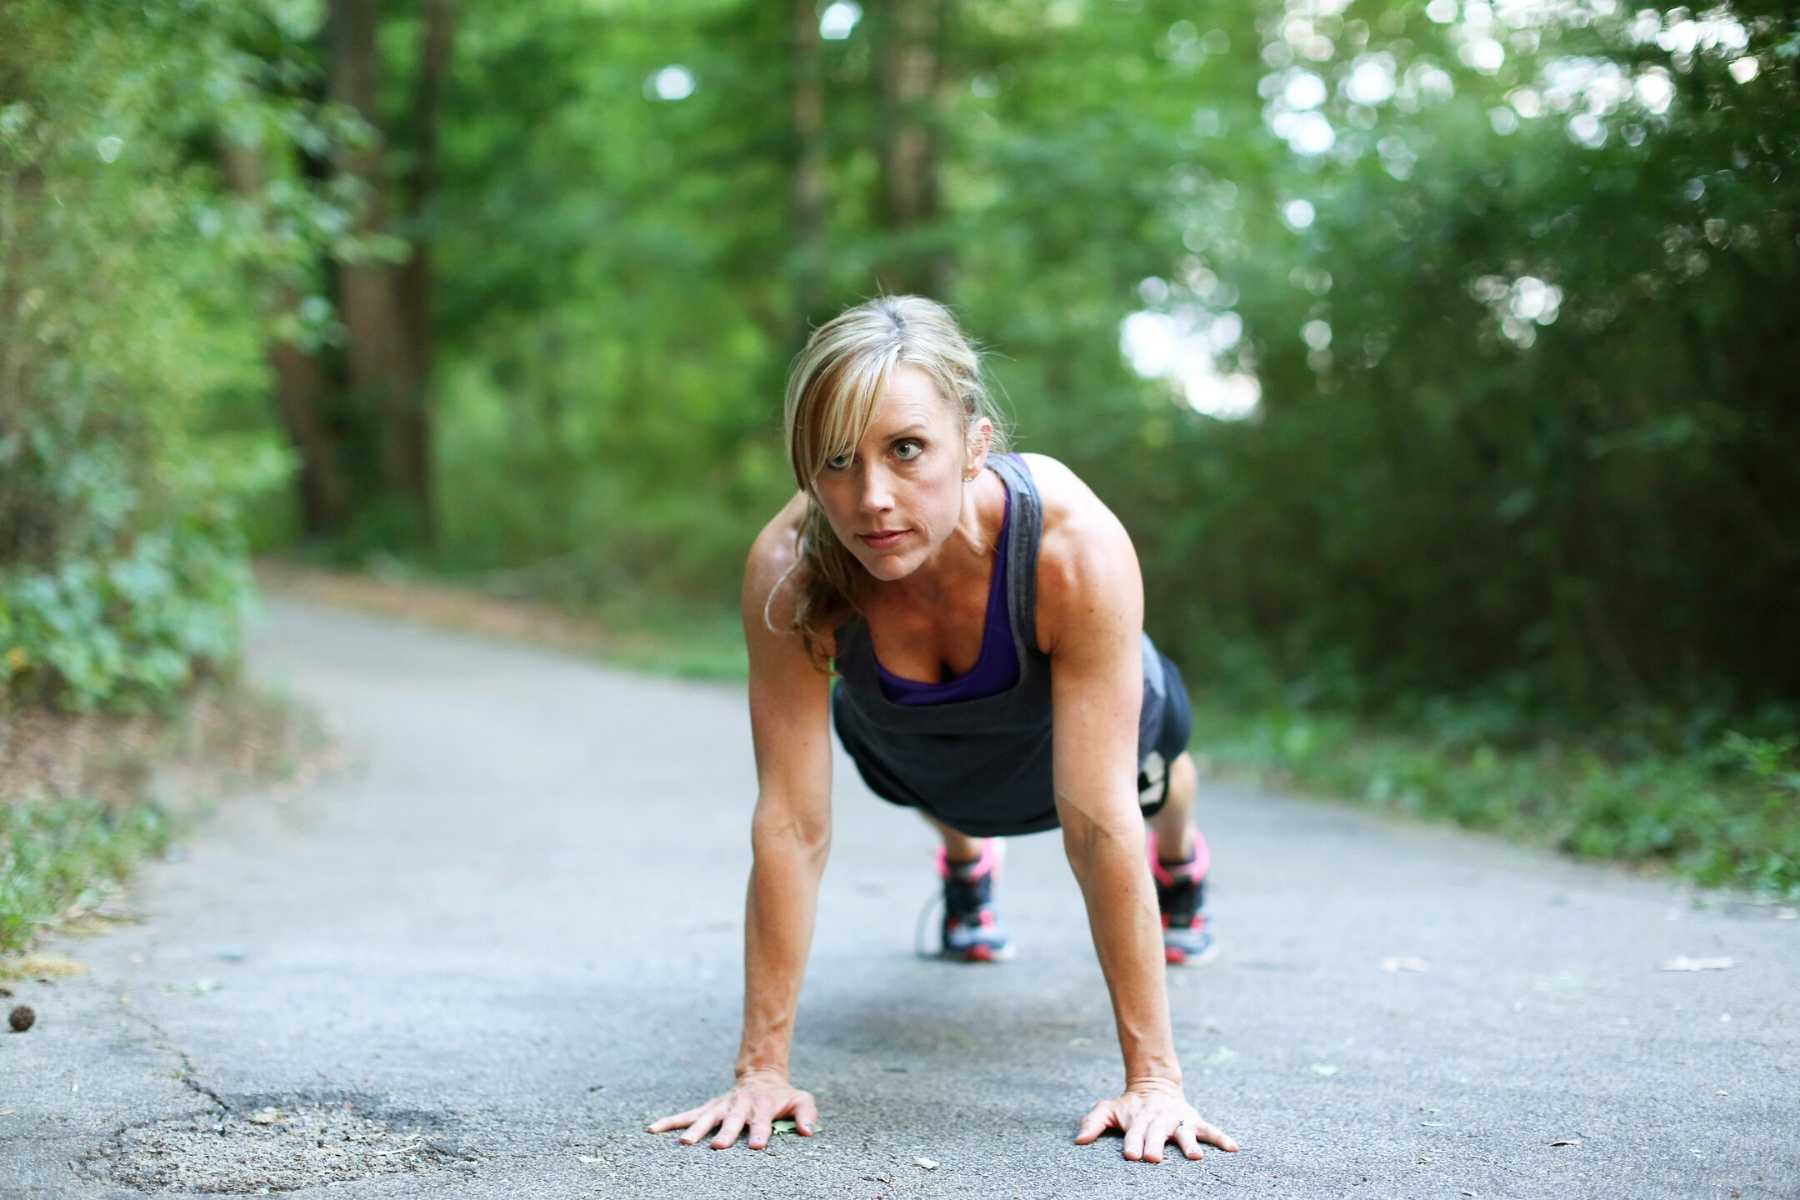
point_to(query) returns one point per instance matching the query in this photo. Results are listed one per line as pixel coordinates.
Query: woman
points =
(984, 613)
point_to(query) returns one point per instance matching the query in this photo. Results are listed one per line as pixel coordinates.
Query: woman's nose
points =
(877, 495)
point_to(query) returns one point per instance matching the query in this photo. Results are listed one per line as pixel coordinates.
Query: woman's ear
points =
(980, 439)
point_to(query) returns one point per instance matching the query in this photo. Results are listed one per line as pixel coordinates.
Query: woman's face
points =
(899, 496)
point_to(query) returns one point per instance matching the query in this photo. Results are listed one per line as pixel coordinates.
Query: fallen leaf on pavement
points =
(1684, 963)
(783, 1126)
(590, 1158)
(265, 1116)
(1394, 965)
(1324, 1069)
(927, 1163)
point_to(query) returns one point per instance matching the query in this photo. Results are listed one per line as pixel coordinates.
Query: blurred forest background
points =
(1441, 357)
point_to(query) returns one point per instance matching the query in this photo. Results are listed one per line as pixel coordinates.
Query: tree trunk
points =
(909, 69)
(378, 349)
(415, 280)
(299, 383)
(808, 195)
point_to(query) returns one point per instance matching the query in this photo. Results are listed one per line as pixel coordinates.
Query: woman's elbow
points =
(780, 831)
(1088, 839)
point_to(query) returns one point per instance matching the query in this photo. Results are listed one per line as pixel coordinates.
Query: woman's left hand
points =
(1152, 1114)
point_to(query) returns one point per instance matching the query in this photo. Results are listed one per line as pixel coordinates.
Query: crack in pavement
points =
(188, 1075)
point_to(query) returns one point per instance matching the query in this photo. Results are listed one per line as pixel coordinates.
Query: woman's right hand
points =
(759, 1099)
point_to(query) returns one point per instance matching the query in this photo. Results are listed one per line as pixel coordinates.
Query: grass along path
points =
(1728, 815)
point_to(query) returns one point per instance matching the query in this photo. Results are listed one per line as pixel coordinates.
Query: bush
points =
(127, 311)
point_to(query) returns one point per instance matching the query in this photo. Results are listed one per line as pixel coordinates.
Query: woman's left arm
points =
(1097, 690)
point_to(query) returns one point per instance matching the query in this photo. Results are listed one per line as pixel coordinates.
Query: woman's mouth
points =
(881, 541)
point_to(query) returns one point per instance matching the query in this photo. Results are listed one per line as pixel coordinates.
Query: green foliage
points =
(53, 853)
(1725, 814)
(128, 628)
(1540, 445)
(128, 316)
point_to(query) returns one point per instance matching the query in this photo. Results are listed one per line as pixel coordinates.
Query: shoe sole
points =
(981, 954)
(1177, 957)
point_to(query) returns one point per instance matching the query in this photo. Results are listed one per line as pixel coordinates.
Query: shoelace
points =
(933, 912)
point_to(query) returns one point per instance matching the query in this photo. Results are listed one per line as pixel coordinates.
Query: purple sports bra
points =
(998, 667)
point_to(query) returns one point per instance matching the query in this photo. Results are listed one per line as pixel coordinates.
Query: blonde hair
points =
(832, 391)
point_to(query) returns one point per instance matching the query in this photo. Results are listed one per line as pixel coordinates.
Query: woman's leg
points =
(958, 847)
(1182, 861)
(1174, 824)
(972, 929)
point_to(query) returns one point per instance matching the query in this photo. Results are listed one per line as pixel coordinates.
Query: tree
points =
(911, 78)
(809, 170)
(382, 341)
(300, 379)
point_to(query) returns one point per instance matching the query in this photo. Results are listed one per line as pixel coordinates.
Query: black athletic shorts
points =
(1169, 742)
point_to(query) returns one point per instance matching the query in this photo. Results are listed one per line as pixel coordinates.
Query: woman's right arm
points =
(790, 836)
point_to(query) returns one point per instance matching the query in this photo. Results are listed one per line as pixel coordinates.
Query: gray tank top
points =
(982, 766)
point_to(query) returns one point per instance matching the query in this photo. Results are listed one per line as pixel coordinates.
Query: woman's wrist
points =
(1160, 1082)
(762, 1072)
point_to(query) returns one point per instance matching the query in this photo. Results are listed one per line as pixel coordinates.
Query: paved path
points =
(479, 959)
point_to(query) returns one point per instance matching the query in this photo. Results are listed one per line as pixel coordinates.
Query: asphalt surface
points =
(481, 957)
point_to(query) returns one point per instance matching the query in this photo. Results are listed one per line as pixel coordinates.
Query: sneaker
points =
(972, 929)
(1181, 895)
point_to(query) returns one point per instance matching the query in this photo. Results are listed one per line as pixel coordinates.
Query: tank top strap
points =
(1025, 535)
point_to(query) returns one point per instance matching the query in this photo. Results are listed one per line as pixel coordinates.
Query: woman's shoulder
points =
(775, 576)
(1074, 516)
(1084, 554)
(1059, 488)
(776, 545)
(774, 561)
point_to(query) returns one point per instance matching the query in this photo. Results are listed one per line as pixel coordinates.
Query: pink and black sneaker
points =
(972, 928)
(1181, 895)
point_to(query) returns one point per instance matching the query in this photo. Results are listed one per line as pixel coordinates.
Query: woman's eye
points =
(909, 450)
(838, 462)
